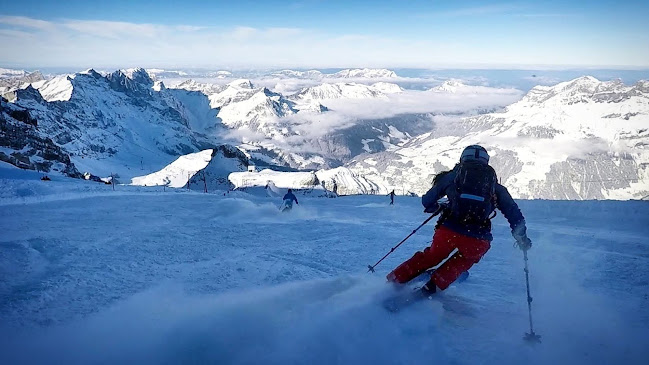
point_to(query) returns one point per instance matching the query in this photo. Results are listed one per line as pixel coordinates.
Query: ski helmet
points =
(475, 153)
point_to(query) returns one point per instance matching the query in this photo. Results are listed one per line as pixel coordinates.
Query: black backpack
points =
(475, 188)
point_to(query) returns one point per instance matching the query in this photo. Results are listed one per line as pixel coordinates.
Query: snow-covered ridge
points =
(221, 95)
(581, 139)
(344, 181)
(255, 108)
(311, 74)
(585, 89)
(357, 73)
(137, 72)
(387, 87)
(6, 72)
(270, 119)
(212, 164)
(12, 83)
(57, 89)
(370, 73)
(349, 90)
(341, 181)
(205, 88)
(25, 146)
(127, 119)
(117, 123)
(281, 179)
(458, 87)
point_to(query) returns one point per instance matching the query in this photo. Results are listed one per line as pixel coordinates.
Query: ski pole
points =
(439, 209)
(531, 336)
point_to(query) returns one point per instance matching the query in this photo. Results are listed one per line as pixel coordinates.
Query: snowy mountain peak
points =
(91, 72)
(586, 84)
(158, 86)
(134, 82)
(17, 80)
(370, 73)
(311, 74)
(642, 86)
(137, 73)
(59, 88)
(207, 89)
(337, 91)
(220, 74)
(30, 93)
(450, 86)
(387, 87)
(241, 84)
(584, 89)
(252, 108)
(6, 72)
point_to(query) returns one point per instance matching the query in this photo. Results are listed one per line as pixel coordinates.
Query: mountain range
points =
(581, 139)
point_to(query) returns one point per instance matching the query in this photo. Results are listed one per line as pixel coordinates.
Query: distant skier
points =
(391, 195)
(465, 223)
(289, 197)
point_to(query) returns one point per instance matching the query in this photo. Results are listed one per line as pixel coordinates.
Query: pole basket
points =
(532, 337)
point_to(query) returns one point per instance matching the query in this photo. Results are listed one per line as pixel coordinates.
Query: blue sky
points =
(240, 34)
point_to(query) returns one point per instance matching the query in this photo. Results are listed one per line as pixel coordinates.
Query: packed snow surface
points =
(146, 276)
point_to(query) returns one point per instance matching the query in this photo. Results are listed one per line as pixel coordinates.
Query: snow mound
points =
(211, 165)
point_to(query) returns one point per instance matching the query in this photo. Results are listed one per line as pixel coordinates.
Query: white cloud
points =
(344, 113)
(116, 30)
(25, 22)
(97, 43)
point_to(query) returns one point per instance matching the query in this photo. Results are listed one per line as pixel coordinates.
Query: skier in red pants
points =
(464, 224)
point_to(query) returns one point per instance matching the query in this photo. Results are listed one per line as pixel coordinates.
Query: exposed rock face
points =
(22, 144)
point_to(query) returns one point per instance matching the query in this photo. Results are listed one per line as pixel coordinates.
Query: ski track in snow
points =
(144, 276)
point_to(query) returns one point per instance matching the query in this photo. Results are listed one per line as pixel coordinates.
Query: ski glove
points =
(520, 234)
(524, 243)
(441, 203)
(431, 208)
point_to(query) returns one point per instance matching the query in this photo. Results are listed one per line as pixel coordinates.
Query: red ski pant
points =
(469, 251)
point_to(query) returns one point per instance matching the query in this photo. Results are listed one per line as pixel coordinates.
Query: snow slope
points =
(143, 276)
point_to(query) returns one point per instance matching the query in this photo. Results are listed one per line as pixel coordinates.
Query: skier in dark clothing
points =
(465, 223)
(391, 195)
(288, 198)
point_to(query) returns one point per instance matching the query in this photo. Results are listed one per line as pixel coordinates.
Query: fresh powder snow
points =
(153, 276)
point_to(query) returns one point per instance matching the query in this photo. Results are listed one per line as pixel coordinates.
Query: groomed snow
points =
(139, 275)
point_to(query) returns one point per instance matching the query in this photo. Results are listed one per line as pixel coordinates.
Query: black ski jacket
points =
(503, 201)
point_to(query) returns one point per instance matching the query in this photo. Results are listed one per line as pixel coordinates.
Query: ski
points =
(405, 297)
